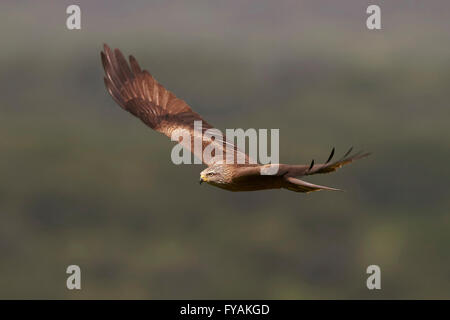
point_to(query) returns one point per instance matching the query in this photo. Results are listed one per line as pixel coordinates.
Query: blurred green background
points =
(83, 182)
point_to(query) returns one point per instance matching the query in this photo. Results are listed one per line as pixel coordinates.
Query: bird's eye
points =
(210, 174)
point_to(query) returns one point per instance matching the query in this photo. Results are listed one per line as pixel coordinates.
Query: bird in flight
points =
(136, 91)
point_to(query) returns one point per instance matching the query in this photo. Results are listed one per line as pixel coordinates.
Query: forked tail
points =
(298, 185)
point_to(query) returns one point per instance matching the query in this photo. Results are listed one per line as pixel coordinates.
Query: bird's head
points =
(214, 174)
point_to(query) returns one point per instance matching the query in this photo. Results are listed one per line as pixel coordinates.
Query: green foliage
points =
(83, 182)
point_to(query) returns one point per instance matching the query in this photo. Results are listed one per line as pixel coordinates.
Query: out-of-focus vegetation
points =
(83, 182)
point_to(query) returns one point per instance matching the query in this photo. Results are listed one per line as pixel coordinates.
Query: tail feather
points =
(298, 185)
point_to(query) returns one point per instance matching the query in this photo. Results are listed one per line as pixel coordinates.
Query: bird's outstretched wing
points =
(137, 92)
(327, 167)
(284, 175)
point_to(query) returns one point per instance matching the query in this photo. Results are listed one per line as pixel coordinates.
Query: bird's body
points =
(240, 178)
(136, 91)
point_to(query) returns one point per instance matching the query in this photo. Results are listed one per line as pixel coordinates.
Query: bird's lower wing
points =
(253, 175)
(328, 166)
(333, 166)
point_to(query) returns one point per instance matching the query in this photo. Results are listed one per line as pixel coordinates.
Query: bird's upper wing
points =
(136, 91)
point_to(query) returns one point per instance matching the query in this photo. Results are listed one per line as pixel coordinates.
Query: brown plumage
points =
(136, 91)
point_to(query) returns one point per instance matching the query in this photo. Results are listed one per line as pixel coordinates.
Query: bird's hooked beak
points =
(202, 178)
